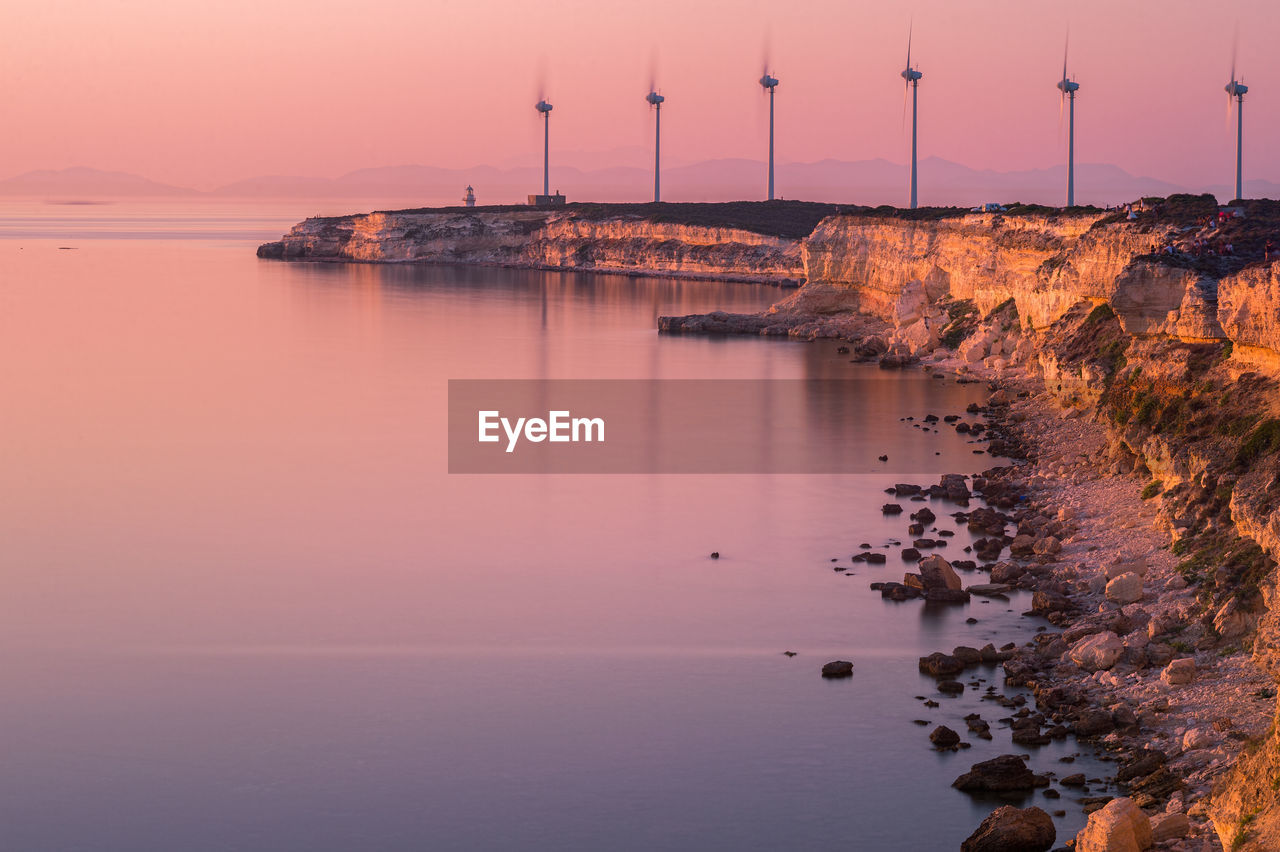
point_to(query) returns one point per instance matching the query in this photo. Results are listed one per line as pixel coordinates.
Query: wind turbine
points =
(912, 78)
(545, 108)
(1068, 88)
(655, 100)
(1236, 89)
(770, 83)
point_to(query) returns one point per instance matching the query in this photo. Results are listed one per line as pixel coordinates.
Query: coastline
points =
(1136, 371)
(1185, 737)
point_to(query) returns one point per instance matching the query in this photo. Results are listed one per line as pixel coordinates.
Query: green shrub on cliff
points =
(1101, 313)
(1263, 441)
(1153, 489)
(962, 318)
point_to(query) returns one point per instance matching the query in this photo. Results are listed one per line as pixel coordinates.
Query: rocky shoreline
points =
(1129, 667)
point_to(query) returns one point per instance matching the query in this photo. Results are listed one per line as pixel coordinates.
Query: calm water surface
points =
(245, 606)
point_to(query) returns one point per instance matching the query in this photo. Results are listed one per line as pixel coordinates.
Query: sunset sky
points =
(203, 93)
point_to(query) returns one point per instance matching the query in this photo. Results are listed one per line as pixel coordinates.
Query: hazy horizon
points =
(205, 94)
(869, 182)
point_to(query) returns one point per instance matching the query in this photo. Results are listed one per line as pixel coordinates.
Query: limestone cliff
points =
(624, 242)
(894, 267)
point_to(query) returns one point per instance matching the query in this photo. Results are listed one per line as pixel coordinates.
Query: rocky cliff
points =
(728, 242)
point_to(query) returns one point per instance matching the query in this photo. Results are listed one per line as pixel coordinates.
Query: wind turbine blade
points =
(1235, 46)
(1065, 47)
(910, 27)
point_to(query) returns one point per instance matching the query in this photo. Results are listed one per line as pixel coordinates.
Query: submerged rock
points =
(1004, 774)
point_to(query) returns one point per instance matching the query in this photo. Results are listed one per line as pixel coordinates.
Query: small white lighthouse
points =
(470, 198)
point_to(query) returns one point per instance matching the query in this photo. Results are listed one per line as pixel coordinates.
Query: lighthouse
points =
(470, 198)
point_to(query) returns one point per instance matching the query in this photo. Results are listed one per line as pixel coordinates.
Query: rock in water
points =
(939, 664)
(1003, 774)
(944, 737)
(937, 573)
(1120, 826)
(1011, 829)
(838, 668)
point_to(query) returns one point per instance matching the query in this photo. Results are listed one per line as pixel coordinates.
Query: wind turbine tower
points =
(912, 78)
(545, 108)
(770, 83)
(655, 100)
(1068, 88)
(1237, 90)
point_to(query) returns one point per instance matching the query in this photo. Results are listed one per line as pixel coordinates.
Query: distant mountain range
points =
(869, 182)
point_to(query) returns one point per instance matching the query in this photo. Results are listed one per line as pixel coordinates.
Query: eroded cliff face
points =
(1249, 311)
(546, 240)
(895, 268)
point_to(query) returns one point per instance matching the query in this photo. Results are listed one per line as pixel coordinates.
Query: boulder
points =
(1010, 829)
(1169, 827)
(1196, 738)
(1093, 723)
(1006, 572)
(1234, 620)
(1097, 652)
(1047, 546)
(838, 668)
(1119, 826)
(897, 591)
(1003, 774)
(1125, 589)
(1179, 672)
(939, 664)
(944, 737)
(1159, 654)
(1022, 545)
(937, 573)
(1043, 603)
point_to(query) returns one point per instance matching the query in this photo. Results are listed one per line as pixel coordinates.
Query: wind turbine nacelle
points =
(1235, 89)
(654, 98)
(543, 107)
(1067, 86)
(768, 81)
(911, 75)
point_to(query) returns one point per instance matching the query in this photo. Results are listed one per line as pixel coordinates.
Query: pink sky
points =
(202, 93)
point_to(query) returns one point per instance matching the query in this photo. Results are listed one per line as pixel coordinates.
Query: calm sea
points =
(246, 607)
